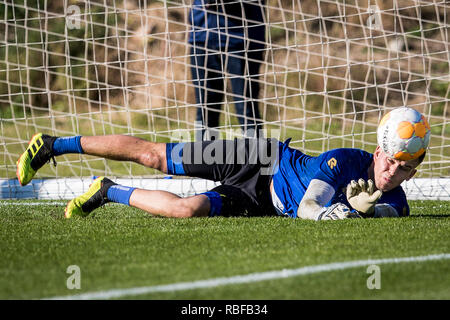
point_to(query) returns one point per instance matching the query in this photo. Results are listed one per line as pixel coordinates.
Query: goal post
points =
(330, 70)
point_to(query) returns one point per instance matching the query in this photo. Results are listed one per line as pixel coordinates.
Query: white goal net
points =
(329, 70)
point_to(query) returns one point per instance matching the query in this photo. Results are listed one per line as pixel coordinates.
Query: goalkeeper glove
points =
(384, 210)
(362, 197)
(337, 211)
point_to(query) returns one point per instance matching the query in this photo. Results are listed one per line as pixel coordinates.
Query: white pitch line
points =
(252, 277)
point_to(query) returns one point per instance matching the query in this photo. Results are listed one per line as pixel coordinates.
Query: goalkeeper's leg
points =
(103, 190)
(155, 202)
(42, 148)
(127, 148)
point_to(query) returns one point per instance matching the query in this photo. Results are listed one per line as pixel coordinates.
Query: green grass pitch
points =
(121, 247)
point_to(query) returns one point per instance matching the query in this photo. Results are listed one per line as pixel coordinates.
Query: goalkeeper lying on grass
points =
(258, 178)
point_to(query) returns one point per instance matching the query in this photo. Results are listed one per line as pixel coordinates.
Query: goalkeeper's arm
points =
(312, 206)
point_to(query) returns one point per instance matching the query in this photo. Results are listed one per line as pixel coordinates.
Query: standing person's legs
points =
(207, 75)
(244, 69)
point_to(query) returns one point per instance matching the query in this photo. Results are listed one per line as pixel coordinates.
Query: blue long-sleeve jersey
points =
(336, 167)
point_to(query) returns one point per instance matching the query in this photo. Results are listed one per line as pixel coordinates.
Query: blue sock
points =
(215, 202)
(120, 194)
(67, 145)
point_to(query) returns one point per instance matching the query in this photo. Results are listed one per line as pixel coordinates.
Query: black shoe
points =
(95, 197)
(38, 153)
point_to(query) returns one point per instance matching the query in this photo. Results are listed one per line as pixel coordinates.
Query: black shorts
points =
(244, 168)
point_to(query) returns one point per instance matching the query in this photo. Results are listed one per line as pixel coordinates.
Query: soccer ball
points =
(403, 134)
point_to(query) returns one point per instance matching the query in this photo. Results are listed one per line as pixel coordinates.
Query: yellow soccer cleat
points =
(95, 197)
(39, 151)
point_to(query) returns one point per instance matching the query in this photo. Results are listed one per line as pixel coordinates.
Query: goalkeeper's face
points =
(389, 172)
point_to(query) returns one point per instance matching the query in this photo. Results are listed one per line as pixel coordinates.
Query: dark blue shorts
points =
(244, 168)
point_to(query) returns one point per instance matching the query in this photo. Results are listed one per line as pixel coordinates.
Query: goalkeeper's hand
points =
(362, 197)
(337, 211)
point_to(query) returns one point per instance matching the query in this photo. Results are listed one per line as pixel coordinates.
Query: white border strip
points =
(252, 277)
(69, 188)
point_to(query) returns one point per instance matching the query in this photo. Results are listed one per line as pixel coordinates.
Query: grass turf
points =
(121, 247)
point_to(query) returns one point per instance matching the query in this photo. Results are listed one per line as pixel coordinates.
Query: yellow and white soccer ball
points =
(404, 134)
